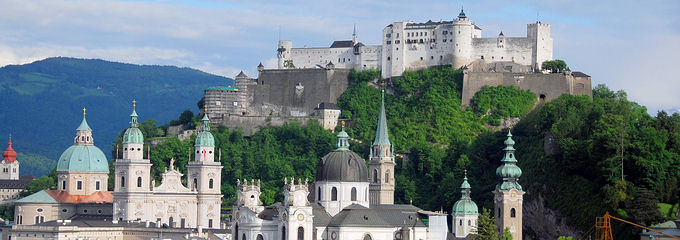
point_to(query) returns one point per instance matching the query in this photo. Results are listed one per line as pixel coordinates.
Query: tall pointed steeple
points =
(354, 35)
(381, 134)
(381, 162)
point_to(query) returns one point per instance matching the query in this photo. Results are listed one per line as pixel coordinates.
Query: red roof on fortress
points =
(97, 197)
(9, 154)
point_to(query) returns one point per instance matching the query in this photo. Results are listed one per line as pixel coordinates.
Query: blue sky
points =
(628, 45)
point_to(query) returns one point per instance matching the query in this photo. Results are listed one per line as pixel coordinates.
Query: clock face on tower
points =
(301, 217)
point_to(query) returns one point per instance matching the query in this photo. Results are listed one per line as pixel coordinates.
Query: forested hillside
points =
(577, 171)
(41, 102)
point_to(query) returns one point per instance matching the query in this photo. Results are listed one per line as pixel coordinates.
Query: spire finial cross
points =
(134, 103)
(10, 138)
(465, 173)
(343, 125)
(84, 112)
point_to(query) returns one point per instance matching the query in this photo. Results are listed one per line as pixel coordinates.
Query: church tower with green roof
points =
(132, 172)
(508, 194)
(204, 176)
(381, 162)
(464, 213)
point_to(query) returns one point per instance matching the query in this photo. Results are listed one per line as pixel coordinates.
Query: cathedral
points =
(136, 196)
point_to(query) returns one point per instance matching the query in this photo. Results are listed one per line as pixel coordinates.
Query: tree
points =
(486, 229)
(643, 209)
(506, 234)
(38, 184)
(554, 65)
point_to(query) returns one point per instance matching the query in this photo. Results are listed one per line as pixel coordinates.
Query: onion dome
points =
(9, 154)
(509, 172)
(342, 164)
(133, 134)
(465, 205)
(83, 156)
(204, 137)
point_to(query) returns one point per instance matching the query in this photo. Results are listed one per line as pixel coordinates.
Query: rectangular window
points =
(80, 185)
(183, 222)
(63, 185)
(96, 185)
(235, 104)
(218, 103)
(209, 223)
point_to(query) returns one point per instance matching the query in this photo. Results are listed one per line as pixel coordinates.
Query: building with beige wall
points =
(508, 196)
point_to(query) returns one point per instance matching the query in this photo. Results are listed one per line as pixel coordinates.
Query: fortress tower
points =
(542, 47)
(132, 173)
(204, 176)
(381, 163)
(284, 53)
(462, 38)
(508, 194)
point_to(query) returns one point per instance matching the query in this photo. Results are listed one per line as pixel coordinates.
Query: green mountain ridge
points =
(41, 102)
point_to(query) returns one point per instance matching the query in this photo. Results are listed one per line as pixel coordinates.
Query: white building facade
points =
(409, 46)
(136, 196)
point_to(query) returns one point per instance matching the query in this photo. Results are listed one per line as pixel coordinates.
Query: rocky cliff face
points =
(545, 223)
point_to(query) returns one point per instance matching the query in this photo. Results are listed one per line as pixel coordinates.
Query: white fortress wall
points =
(511, 49)
(311, 57)
(370, 57)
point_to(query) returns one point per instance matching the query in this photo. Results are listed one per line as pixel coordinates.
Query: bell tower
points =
(381, 163)
(132, 174)
(508, 195)
(296, 212)
(205, 176)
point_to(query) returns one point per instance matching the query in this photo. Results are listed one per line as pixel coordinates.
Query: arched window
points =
(63, 185)
(139, 181)
(499, 212)
(367, 237)
(301, 233)
(512, 212)
(318, 194)
(210, 184)
(259, 237)
(236, 231)
(243, 236)
(283, 233)
(387, 176)
(122, 181)
(171, 222)
(469, 222)
(460, 223)
(334, 194)
(195, 183)
(375, 175)
(354, 194)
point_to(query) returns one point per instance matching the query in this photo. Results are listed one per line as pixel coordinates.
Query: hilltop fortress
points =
(409, 46)
(308, 81)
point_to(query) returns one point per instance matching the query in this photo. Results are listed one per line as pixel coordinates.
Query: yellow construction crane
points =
(603, 228)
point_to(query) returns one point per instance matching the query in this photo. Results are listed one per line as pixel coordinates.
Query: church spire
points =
(9, 154)
(381, 134)
(133, 116)
(205, 120)
(83, 124)
(509, 172)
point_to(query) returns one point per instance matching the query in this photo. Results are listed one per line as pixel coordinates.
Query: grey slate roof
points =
(579, 74)
(16, 184)
(241, 75)
(387, 216)
(342, 44)
(321, 217)
(342, 166)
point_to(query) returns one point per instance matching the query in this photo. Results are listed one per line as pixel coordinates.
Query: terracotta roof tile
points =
(97, 197)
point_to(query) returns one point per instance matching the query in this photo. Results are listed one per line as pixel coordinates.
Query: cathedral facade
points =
(136, 196)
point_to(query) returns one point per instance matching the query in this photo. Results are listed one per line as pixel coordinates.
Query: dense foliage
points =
(42, 102)
(271, 154)
(493, 103)
(554, 65)
(486, 228)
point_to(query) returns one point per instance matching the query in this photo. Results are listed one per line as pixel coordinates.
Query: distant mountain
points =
(41, 102)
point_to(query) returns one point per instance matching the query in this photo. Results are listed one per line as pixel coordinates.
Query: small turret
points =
(248, 194)
(462, 13)
(260, 67)
(509, 172)
(295, 194)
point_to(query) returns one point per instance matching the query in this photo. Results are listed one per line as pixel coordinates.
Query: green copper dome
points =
(204, 137)
(133, 134)
(83, 158)
(509, 172)
(465, 205)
